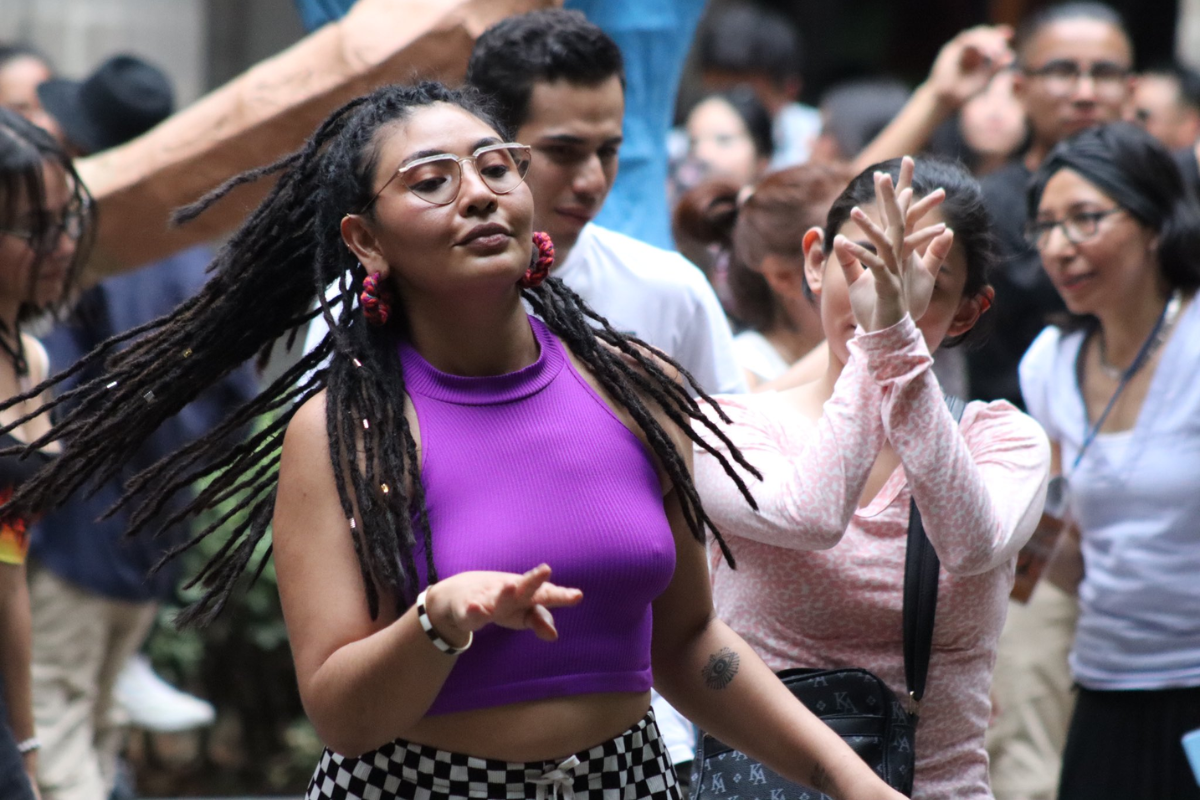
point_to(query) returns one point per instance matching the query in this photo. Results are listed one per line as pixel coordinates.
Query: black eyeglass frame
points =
(1104, 73)
(1037, 230)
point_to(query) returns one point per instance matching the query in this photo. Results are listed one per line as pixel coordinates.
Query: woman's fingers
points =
(919, 240)
(885, 199)
(938, 251)
(852, 269)
(526, 585)
(854, 257)
(886, 250)
(923, 206)
(553, 596)
(904, 179)
(539, 620)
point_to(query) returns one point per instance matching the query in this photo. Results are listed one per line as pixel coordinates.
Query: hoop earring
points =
(540, 262)
(376, 300)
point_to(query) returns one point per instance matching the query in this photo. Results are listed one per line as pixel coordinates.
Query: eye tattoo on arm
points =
(721, 668)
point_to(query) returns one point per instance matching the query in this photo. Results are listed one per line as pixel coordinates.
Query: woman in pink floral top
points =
(821, 565)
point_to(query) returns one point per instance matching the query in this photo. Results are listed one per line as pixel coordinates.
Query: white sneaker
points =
(156, 705)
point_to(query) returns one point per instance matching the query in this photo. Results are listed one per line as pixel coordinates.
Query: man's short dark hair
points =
(1186, 79)
(746, 38)
(1028, 30)
(541, 46)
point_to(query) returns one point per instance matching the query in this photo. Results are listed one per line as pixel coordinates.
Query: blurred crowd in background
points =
(743, 122)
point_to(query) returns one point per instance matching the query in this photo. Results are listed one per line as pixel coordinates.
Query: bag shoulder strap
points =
(921, 567)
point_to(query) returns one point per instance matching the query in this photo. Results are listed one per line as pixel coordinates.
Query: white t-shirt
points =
(1134, 496)
(756, 354)
(660, 297)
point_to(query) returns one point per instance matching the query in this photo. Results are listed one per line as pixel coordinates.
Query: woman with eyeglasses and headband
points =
(1115, 388)
(455, 450)
(42, 219)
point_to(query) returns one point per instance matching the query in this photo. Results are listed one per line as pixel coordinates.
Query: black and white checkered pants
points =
(632, 766)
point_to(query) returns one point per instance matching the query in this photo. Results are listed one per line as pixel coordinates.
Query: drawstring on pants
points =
(559, 779)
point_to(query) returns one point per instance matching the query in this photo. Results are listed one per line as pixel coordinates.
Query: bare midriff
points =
(539, 730)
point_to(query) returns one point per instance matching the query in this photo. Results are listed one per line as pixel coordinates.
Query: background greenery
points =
(262, 743)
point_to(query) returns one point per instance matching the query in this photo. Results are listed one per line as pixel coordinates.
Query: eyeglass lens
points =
(1062, 75)
(1076, 227)
(437, 180)
(71, 223)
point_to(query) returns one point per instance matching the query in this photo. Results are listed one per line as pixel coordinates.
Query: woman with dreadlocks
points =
(453, 452)
(42, 217)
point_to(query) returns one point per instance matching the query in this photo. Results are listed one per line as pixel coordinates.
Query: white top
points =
(658, 296)
(796, 128)
(1135, 498)
(756, 354)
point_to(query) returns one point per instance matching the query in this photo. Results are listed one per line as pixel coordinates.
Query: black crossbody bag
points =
(860, 707)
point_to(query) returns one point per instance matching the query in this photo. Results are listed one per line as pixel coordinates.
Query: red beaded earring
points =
(376, 299)
(540, 263)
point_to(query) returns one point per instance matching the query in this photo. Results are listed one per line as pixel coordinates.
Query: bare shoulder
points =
(38, 360)
(308, 422)
(306, 445)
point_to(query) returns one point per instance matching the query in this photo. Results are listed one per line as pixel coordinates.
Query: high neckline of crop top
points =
(423, 378)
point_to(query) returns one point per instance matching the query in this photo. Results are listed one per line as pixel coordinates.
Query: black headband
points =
(1090, 158)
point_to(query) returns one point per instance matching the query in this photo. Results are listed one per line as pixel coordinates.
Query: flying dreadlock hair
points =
(265, 282)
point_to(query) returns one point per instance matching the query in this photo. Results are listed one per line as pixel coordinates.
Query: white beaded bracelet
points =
(434, 636)
(28, 745)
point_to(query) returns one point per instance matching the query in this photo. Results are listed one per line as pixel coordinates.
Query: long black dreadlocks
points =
(265, 282)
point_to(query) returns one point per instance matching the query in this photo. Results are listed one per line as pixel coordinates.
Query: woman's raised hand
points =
(895, 275)
(470, 600)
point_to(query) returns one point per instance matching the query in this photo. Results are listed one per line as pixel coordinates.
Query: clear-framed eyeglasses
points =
(71, 223)
(437, 179)
(1078, 227)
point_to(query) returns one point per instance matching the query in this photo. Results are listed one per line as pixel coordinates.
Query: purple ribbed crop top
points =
(532, 467)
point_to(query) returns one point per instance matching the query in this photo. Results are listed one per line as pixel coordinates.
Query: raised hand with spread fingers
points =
(892, 273)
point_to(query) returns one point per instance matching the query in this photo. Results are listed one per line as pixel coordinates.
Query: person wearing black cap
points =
(93, 604)
(121, 100)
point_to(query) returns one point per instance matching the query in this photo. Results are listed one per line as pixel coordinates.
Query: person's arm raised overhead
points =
(963, 68)
(980, 492)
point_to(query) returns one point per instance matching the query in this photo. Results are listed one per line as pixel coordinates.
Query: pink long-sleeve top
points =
(819, 580)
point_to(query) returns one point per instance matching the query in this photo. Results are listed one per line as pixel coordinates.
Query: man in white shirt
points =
(558, 81)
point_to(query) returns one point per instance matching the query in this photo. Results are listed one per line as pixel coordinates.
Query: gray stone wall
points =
(198, 43)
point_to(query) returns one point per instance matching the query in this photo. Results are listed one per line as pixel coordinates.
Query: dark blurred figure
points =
(1074, 72)
(743, 43)
(853, 113)
(1166, 103)
(94, 602)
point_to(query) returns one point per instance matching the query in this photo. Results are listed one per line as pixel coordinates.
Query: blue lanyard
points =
(1138, 362)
